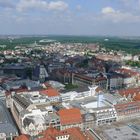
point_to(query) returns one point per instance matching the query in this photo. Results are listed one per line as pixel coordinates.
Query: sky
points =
(70, 17)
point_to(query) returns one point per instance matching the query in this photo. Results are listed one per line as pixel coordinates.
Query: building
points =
(129, 93)
(8, 129)
(16, 69)
(56, 85)
(33, 112)
(36, 121)
(128, 110)
(130, 77)
(63, 75)
(115, 81)
(68, 134)
(55, 134)
(97, 64)
(90, 79)
(137, 97)
(105, 115)
(80, 93)
(52, 94)
(2, 95)
(55, 65)
(70, 118)
(121, 133)
(16, 84)
(22, 137)
(88, 120)
(40, 73)
(108, 57)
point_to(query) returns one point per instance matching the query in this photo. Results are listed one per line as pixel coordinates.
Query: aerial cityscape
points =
(69, 70)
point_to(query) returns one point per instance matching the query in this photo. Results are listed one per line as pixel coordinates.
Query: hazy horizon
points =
(68, 35)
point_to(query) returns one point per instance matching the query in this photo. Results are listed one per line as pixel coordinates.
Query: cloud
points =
(109, 13)
(31, 4)
(57, 5)
(24, 5)
(108, 10)
(6, 4)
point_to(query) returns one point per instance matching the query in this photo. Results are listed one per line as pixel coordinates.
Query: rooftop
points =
(73, 133)
(128, 91)
(70, 116)
(127, 71)
(122, 133)
(18, 83)
(6, 124)
(137, 97)
(50, 92)
(22, 137)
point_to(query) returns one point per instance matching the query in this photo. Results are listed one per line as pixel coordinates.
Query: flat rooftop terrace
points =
(124, 130)
(122, 133)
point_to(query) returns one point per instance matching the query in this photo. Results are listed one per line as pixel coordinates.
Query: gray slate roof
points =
(7, 125)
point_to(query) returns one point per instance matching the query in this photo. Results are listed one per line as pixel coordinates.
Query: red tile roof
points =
(50, 92)
(51, 131)
(98, 79)
(127, 71)
(83, 77)
(137, 97)
(74, 134)
(22, 137)
(130, 91)
(128, 105)
(70, 116)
